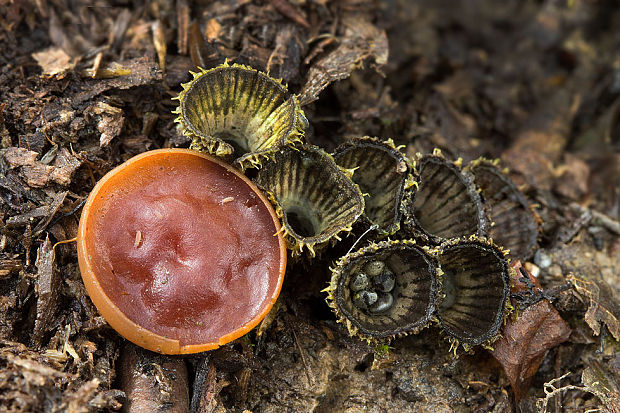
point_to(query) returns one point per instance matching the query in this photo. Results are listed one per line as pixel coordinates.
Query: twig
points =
(307, 369)
(551, 391)
(605, 221)
(372, 228)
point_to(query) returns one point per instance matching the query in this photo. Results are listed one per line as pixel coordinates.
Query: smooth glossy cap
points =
(180, 252)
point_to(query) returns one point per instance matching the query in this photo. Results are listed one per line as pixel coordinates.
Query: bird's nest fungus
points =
(439, 263)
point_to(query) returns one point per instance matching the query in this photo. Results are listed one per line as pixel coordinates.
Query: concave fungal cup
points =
(315, 198)
(383, 174)
(514, 225)
(177, 251)
(385, 290)
(475, 290)
(463, 281)
(236, 111)
(446, 204)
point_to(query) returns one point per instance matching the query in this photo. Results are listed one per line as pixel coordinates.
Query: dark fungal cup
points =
(315, 198)
(446, 204)
(475, 289)
(384, 290)
(382, 173)
(513, 223)
(236, 111)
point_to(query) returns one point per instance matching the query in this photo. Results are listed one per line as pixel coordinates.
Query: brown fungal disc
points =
(446, 204)
(314, 197)
(475, 288)
(177, 251)
(514, 225)
(385, 290)
(382, 173)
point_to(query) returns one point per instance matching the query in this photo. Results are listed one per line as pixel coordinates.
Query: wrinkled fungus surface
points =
(184, 247)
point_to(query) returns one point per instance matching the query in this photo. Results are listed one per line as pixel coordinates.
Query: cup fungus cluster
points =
(177, 248)
(445, 264)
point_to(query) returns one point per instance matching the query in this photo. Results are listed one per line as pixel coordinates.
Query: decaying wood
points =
(153, 382)
(47, 290)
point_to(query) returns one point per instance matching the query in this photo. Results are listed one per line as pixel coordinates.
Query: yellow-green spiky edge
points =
(336, 271)
(455, 344)
(409, 184)
(298, 246)
(436, 153)
(222, 149)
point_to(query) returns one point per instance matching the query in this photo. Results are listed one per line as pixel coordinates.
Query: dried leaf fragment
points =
(526, 339)
(361, 41)
(599, 380)
(37, 174)
(124, 74)
(183, 16)
(203, 53)
(54, 61)
(287, 9)
(47, 284)
(110, 124)
(16, 157)
(602, 307)
(64, 166)
(213, 30)
(159, 40)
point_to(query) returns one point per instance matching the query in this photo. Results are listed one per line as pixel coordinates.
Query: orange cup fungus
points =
(180, 252)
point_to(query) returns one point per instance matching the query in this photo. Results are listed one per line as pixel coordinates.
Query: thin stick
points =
(372, 228)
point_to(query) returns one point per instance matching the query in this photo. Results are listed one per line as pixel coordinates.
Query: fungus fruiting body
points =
(464, 284)
(474, 290)
(514, 224)
(315, 198)
(383, 174)
(385, 290)
(239, 112)
(179, 252)
(446, 204)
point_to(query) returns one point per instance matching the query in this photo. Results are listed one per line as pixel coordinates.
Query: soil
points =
(87, 85)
